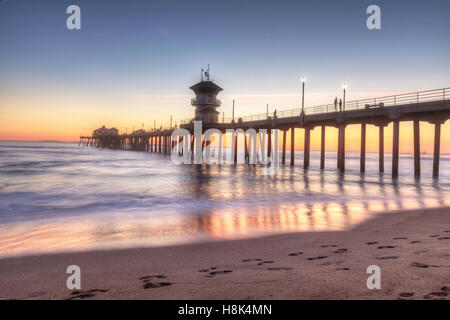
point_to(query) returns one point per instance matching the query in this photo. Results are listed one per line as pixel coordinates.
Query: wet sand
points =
(411, 248)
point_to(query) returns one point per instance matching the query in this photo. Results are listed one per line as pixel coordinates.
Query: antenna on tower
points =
(207, 73)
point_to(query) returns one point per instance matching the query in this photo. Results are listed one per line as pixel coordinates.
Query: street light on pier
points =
(303, 94)
(232, 116)
(267, 108)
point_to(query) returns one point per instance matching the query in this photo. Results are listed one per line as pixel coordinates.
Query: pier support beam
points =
(246, 160)
(192, 146)
(362, 166)
(338, 149)
(292, 145)
(283, 158)
(381, 147)
(306, 148)
(269, 142)
(395, 148)
(416, 126)
(437, 148)
(341, 150)
(168, 142)
(167, 145)
(235, 149)
(322, 148)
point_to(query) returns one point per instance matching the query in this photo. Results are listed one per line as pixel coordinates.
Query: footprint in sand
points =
(434, 236)
(444, 238)
(386, 247)
(279, 269)
(387, 258)
(148, 284)
(207, 270)
(151, 285)
(264, 262)
(415, 241)
(250, 260)
(419, 265)
(400, 238)
(445, 289)
(293, 254)
(317, 258)
(432, 295)
(329, 246)
(343, 250)
(77, 294)
(371, 243)
(343, 269)
(406, 294)
(214, 273)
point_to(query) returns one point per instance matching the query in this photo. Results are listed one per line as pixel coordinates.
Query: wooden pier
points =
(431, 106)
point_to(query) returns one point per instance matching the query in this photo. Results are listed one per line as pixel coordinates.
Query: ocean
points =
(58, 197)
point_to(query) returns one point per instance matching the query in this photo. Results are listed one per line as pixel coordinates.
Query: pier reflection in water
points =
(92, 199)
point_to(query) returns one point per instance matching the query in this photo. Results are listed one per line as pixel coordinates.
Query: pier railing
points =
(362, 104)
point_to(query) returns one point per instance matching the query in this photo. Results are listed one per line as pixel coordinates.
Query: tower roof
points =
(206, 87)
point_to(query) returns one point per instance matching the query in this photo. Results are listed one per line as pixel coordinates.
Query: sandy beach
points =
(412, 249)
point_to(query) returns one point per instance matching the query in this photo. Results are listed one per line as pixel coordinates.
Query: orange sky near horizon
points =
(66, 118)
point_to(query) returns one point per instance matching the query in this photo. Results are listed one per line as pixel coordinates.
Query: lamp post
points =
(170, 121)
(232, 114)
(344, 87)
(303, 94)
(267, 109)
(154, 125)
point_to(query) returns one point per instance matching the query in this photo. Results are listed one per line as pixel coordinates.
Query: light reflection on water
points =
(57, 197)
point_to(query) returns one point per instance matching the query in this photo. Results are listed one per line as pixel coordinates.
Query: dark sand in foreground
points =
(411, 248)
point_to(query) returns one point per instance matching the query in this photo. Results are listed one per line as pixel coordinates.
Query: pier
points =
(432, 106)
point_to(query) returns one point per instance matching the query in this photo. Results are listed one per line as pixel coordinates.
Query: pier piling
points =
(292, 145)
(437, 148)
(362, 166)
(395, 149)
(416, 125)
(322, 148)
(306, 148)
(381, 147)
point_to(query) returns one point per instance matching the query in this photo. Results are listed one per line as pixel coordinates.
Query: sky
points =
(133, 61)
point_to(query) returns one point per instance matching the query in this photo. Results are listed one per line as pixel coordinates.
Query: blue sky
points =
(153, 50)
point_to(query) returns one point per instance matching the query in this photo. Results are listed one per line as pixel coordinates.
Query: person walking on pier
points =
(340, 105)
(335, 104)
